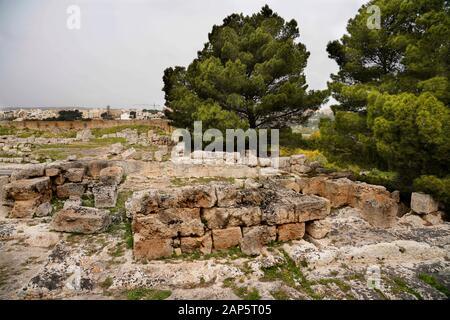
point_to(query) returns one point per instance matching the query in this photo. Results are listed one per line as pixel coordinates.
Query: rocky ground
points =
(354, 261)
(413, 261)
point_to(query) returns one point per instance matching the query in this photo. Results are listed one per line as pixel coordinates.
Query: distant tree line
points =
(393, 94)
(67, 115)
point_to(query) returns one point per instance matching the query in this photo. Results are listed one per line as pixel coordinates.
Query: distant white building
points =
(125, 116)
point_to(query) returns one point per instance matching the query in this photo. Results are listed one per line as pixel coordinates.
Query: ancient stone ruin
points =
(30, 191)
(220, 216)
(201, 218)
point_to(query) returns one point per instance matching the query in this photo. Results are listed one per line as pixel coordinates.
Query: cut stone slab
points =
(111, 175)
(72, 202)
(226, 238)
(291, 231)
(148, 249)
(338, 191)
(24, 208)
(4, 180)
(142, 203)
(423, 203)
(299, 208)
(44, 210)
(318, 229)
(52, 172)
(169, 223)
(201, 244)
(280, 213)
(219, 218)
(75, 174)
(189, 197)
(434, 218)
(311, 208)
(30, 171)
(380, 211)
(81, 220)
(70, 189)
(28, 189)
(255, 238)
(105, 196)
(28, 195)
(95, 166)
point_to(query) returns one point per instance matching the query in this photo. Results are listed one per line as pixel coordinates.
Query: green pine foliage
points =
(250, 74)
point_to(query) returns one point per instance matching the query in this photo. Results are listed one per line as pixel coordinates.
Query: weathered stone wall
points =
(82, 124)
(31, 188)
(220, 216)
(377, 205)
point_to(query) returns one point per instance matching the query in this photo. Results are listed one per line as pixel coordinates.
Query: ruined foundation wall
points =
(216, 217)
(30, 190)
(83, 124)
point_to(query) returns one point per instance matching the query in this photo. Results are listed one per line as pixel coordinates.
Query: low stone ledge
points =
(83, 220)
(377, 205)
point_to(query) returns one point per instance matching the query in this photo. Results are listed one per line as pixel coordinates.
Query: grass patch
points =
(275, 244)
(106, 283)
(26, 133)
(87, 201)
(59, 151)
(399, 286)
(57, 204)
(433, 282)
(53, 154)
(381, 294)
(228, 283)
(122, 198)
(8, 155)
(125, 225)
(311, 155)
(244, 293)
(147, 294)
(129, 242)
(291, 275)
(280, 295)
(117, 251)
(7, 131)
(344, 287)
(107, 141)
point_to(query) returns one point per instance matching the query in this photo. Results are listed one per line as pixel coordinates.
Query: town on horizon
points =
(107, 113)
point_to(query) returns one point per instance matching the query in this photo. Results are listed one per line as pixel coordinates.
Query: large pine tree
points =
(249, 74)
(410, 52)
(393, 89)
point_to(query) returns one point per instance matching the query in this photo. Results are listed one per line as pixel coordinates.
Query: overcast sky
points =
(118, 56)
